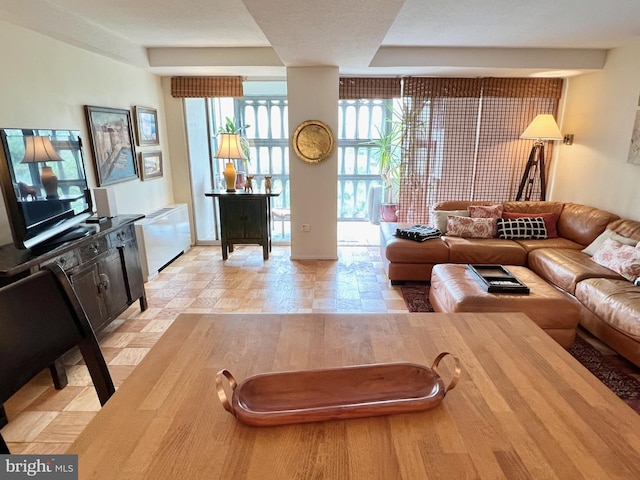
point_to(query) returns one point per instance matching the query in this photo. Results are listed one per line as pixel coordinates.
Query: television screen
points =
(44, 184)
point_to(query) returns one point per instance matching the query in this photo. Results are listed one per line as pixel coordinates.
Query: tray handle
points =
(220, 376)
(456, 372)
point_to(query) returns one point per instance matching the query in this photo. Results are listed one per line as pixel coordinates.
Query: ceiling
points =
(260, 38)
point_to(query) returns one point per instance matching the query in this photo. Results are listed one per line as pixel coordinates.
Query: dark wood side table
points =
(245, 218)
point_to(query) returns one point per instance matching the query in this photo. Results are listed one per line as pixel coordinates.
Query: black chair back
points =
(40, 320)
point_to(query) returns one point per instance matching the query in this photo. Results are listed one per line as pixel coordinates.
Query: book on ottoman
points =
(418, 233)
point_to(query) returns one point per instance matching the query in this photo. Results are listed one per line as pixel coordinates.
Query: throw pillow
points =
(597, 243)
(622, 259)
(550, 220)
(488, 211)
(471, 227)
(521, 228)
(440, 218)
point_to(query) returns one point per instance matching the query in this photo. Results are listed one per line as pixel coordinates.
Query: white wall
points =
(600, 111)
(45, 84)
(313, 95)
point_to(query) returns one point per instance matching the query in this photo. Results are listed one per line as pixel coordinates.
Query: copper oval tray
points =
(337, 393)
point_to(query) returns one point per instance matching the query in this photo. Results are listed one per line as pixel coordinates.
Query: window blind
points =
(206, 87)
(462, 139)
(370, 88)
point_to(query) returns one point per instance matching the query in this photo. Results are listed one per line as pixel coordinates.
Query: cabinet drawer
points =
(93, 248)
(66, 260)
(117, 238)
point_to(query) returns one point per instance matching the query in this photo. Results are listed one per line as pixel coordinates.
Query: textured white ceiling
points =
(203, 37)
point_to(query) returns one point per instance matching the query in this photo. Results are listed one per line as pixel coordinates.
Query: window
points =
(463, 138)
(359, 123)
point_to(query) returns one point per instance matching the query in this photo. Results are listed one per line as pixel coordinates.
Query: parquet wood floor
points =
(45, 420)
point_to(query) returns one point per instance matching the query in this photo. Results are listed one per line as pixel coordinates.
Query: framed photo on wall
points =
(111, 137)
(146, 126)
(634, 148)
(151, 165)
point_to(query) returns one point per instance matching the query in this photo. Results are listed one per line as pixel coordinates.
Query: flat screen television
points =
(44, 186)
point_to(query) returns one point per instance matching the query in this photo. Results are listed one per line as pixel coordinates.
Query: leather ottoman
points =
(454, 288)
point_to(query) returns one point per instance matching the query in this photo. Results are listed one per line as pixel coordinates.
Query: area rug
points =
(604, 367)
(416, 297)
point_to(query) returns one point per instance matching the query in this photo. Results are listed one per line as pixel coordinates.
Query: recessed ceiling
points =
(260, 38)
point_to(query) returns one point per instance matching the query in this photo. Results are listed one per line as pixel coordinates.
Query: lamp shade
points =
(543, 127)
(39, 149)
(229, 146)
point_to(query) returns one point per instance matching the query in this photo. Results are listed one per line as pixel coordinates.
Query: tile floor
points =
(45, 420)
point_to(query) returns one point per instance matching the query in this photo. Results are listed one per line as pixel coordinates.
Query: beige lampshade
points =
(39, 149)
(543, 127)
(229, 146)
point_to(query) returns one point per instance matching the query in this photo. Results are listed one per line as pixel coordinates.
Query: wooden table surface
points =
(523, 409)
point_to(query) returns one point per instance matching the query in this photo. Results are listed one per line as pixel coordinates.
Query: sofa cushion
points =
(521, 228)
(471, 227)
(615, 300)
(621, 258)
(582, 223)
(440, 218)
(542, 206)
(608, 233)
(485, 250)
(406, 251)
(627, 228)
(550, 220)
(530, 244)
(485, 211)
(566, 267)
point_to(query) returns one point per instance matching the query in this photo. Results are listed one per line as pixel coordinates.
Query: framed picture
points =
(111, 138)
(151, 165)
(146, 125)
(634, 148)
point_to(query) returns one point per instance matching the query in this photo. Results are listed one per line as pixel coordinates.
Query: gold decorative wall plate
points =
(313, 141)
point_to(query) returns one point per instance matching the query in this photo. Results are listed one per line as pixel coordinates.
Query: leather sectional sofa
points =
(612, 302)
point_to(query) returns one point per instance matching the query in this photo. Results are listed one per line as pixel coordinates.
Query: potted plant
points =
(388, 153)
(230, 127)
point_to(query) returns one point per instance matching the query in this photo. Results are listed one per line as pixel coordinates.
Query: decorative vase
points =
(49, 182)
(230, 177)
(389, 212)
(240, 179)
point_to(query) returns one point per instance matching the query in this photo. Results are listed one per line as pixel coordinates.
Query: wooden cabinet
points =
(245, 218)
(109, 278)
(104, 268)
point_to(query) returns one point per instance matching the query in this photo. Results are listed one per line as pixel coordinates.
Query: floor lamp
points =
(543, 127)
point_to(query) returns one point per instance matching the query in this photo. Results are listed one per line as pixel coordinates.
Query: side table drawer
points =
(117, 239)
(66, 261)
(93, 248)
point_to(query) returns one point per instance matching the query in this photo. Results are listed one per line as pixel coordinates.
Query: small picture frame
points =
(150, 165)
(146, 126)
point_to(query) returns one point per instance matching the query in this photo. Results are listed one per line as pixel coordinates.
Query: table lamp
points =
(38, 149)
(230, 148)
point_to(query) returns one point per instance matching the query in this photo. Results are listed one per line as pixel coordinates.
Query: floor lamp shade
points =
(543, 127)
